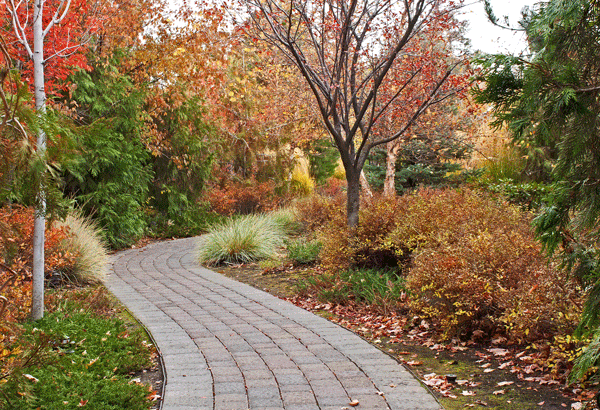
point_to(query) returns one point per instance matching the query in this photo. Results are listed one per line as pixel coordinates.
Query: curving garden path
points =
(228, 346)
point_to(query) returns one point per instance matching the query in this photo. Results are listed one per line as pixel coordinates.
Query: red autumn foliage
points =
(244, 197)
(65, 44)
(16, 258)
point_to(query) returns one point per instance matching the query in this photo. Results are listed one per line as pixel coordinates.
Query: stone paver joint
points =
(228, 346)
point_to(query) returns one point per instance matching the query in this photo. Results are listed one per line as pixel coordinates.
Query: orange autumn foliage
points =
(16, 259)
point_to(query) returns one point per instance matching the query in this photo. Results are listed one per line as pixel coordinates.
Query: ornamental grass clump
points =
(287, 220)
(244, 239)
(84, 240)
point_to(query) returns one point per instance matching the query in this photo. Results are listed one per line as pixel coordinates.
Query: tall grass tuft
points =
(303, 251)
(85, 241)
(241, 240)
(287, 220)
(506, 163)
(302, 183)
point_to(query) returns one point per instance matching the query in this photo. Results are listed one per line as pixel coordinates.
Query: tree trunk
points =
(389, 185)
(366, 188)
(37, 307)
(353, 197)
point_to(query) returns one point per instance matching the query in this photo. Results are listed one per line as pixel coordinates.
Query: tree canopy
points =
(346, 52)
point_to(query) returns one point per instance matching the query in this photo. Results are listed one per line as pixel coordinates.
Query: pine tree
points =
(550, 102)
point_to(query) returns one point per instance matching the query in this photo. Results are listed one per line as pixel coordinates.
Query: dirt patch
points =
(482, 381)
(280, 281)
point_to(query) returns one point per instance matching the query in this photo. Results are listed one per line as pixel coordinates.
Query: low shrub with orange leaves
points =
(367, 245)
(471, 263)
(243, 197)
(316, 211)
(478, 266)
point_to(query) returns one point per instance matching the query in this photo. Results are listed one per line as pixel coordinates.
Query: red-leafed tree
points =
(413, 89)
(346, 52)
(67, 28)
(49, 36)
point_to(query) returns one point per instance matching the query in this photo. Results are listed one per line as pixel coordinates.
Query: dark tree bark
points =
(345, 50)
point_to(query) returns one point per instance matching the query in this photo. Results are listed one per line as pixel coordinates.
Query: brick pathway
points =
(228, 346)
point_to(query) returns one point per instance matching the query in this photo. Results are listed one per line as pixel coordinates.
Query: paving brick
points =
(228, 346)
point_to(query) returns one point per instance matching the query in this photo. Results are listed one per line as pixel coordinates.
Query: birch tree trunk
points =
(37, 307)
(365, 186)
(389, 185)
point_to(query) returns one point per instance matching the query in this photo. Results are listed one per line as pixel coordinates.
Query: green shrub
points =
(302, 251)
(432, 161)
(530, 195)
(182, 168)
(323, 159)
(240, 240)
(111, 176)
(380, 288)
(85, 241)
(182, 218)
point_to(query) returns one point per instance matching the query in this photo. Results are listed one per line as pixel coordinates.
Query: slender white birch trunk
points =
(389, 185)
(37, 308)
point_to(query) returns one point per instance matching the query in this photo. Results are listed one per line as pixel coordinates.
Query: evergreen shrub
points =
(111, 176)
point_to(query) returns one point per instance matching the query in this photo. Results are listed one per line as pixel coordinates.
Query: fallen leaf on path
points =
(354, 403)
(448, 394)
(498, 352)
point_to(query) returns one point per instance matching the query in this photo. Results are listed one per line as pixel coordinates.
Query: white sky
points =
(489, 38)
